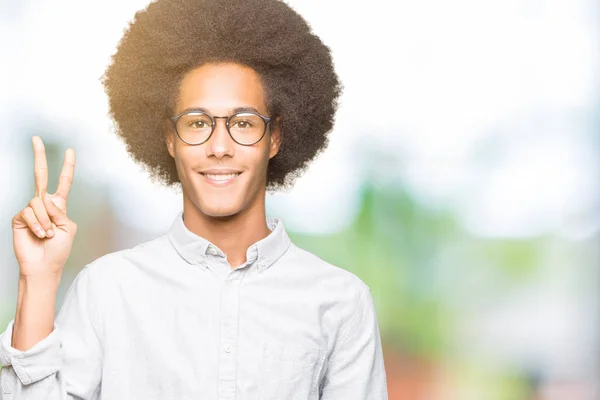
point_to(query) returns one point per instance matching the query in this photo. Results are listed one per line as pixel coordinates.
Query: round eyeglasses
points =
(196, 127)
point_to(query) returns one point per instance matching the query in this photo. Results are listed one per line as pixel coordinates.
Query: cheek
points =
(261, 160)
(184, 160)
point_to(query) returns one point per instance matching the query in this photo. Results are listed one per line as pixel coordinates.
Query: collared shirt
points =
(171, 319)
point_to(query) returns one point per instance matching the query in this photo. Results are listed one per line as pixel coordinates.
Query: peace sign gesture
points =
(42, 233)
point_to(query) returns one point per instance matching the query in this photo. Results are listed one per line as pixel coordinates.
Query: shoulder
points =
(341, 297)
(115, 264)
(327, 277)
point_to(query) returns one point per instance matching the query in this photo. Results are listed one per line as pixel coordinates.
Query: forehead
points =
(220, 88)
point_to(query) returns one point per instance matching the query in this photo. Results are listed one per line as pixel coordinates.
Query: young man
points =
(227, 99)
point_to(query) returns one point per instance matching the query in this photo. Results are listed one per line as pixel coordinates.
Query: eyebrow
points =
(231, 110)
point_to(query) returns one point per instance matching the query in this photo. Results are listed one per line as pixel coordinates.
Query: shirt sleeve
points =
(355, 368)
(65, 365)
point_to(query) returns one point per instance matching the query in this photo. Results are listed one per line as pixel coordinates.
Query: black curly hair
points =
(170, 37)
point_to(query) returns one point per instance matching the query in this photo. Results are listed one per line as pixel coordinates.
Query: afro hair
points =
(171, 37)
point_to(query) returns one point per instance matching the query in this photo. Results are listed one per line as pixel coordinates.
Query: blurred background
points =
(461, 182)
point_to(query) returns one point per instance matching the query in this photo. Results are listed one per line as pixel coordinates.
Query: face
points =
(219, 89)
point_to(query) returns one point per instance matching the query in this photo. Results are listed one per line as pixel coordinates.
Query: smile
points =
(220, 179)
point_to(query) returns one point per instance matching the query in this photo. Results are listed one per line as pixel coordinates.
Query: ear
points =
(170, 141)
(275, 139)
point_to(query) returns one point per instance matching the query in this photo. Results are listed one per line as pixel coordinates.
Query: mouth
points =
(220, 180)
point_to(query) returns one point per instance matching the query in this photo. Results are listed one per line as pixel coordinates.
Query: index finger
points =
(66, 174)
(40, 166)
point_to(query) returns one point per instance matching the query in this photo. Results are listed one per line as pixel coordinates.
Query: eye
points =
(243, 124)
(198, 124)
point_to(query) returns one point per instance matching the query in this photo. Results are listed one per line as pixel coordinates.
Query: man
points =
(227, 99)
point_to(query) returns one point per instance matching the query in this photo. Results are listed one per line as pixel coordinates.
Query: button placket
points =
(229, 332)
(201, 261)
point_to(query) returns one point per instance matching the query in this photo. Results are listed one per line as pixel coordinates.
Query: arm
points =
(355, 369)
(43, 358)
(66, 364)
(36, 302)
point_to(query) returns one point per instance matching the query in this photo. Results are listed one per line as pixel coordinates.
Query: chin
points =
(219, 212)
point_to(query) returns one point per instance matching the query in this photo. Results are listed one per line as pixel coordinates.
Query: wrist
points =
(38, 281)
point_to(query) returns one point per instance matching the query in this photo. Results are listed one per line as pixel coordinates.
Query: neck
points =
(232, 234)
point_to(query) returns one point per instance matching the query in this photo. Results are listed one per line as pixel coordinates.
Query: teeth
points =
(221, 177)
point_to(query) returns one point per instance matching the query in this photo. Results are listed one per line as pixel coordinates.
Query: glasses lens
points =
(194, 127)
(246, 128)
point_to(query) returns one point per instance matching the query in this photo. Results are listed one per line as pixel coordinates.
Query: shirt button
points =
(228, 348)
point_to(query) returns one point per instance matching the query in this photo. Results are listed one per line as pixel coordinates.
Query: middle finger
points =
(66, 175)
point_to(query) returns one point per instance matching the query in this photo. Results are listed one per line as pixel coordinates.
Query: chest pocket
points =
(289, 371)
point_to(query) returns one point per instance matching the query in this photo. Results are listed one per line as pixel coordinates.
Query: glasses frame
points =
(213, 119)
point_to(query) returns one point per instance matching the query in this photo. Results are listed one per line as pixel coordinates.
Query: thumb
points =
(58, 217)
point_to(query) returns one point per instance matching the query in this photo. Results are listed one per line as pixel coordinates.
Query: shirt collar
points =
(194, 248)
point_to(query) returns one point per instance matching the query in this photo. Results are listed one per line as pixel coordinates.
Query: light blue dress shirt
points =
(171, 319)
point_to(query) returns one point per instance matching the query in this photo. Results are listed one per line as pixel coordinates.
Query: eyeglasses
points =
(196, 127)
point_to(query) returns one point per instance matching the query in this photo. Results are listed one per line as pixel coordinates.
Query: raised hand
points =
(42, 233)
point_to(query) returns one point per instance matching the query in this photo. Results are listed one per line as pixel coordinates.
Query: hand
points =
(42, 233)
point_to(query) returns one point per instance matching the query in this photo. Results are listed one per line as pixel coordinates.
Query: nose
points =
(220, 143)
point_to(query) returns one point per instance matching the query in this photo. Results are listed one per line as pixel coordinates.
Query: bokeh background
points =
(461, 182)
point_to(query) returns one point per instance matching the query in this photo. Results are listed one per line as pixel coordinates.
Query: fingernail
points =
(50, 232)
(41, 233)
